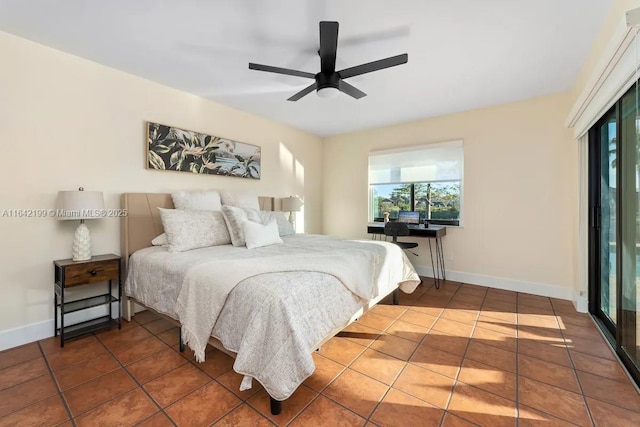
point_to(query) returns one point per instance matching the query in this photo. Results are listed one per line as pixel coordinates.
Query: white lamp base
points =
(81, 250)
(292, 220)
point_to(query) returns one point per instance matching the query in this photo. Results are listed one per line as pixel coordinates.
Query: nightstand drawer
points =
(91, 272)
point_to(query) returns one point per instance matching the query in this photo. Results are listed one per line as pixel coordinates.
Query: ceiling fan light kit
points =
(328, 92)
(329, 82)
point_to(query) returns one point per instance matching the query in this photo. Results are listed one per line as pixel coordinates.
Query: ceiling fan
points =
(329, 82)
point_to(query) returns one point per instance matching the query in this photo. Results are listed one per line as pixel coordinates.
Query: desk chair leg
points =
(396, 297)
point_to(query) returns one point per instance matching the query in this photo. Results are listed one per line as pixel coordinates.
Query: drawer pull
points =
(93, 272)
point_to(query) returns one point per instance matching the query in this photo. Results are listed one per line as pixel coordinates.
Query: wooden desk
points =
(436, 232)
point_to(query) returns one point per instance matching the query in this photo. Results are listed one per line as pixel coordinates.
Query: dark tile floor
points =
(459, 356)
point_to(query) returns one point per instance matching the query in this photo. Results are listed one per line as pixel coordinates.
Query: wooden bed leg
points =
(276, 406)
(396, 297)
(181, 342)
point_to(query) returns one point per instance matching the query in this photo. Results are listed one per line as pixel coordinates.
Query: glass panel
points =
(438, 200)
(630, 219)
(608, 204)
(391, 198)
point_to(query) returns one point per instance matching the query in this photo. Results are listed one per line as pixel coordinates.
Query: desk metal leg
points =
(441, 251)
(435, 265)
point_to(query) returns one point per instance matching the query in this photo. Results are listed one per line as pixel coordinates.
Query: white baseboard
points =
(44, 329)
(25, 334)
(542, 289)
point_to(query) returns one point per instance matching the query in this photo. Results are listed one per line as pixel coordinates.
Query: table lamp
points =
(291, 204)
(80, 205)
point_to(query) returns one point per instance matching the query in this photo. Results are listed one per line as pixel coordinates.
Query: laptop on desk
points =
(409, 218)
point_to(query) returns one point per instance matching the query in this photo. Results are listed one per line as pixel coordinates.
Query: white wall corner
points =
(542, 289)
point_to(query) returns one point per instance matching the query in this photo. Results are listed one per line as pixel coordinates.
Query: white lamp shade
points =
(291, 204)
(79, 204)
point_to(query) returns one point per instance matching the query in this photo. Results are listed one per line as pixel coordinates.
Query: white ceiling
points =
(463, 54)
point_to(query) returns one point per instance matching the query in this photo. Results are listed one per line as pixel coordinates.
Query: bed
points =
(284, 301)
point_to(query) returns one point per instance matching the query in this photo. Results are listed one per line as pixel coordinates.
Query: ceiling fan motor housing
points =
(326, 80)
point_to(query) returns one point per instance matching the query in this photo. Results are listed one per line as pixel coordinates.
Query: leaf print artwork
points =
(176, 149)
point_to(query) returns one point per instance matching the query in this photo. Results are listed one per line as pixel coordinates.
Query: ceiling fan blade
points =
(351, 90)
(328, 46)
(307, 90)
(374, 66)
(278, 70)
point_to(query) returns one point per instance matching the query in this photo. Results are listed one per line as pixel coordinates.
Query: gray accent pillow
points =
(235, 218)
(193, 229)
(240, 200)
(197, 200)
(285, 228)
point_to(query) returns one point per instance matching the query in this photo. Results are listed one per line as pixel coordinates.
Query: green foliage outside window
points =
(434, 200)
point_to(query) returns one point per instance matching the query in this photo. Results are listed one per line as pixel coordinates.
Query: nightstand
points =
(68, 274)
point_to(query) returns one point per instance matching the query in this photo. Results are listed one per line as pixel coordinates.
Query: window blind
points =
(433, 162)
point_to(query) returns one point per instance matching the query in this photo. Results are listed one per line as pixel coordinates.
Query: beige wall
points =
(67, 122)
(520, 195)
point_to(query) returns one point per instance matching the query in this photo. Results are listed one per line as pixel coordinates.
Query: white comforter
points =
(266, 304)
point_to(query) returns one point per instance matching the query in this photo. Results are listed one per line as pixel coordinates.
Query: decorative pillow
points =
(235, 218)
(240, 200)
(258, 235)
(187, 230)
(161, 240)
(197, 200)
(284, 226)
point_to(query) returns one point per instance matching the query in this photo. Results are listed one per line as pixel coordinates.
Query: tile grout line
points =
(135, 380)
(26, 381)
(406, 362)
(572, 368)
(464, 354)
(55, 381)
(575, 371)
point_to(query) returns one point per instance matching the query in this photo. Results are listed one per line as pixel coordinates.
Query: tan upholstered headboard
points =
(142, 222)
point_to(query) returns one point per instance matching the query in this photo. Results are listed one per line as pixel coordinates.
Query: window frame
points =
(435, 145)
(448, 222)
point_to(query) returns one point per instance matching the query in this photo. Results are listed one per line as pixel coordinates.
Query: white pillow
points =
(284, 226)
(161, 240)
(235, 218)
(197, 200)
(240, 200)
(258, 235)
(187, 230)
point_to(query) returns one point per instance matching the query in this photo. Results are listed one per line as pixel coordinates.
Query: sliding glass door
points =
(606, 215)
(615, 227)
(629, 229)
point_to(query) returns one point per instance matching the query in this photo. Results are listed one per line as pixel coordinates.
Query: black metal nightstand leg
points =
(181, 341)
(55, 313)
(119, 304)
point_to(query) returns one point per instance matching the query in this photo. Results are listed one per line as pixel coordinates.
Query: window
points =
(426, 179)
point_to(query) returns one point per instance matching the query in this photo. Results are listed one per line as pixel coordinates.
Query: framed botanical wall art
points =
(171, 148)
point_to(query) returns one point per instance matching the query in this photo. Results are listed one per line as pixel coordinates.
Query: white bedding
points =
(273, 320)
